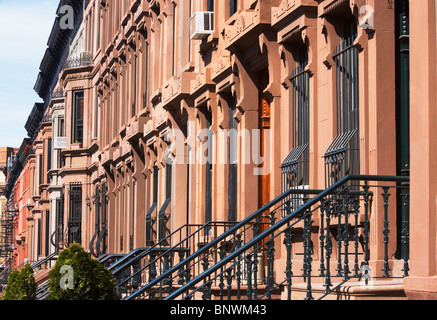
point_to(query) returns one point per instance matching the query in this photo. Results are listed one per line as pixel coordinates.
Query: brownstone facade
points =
(147, 93)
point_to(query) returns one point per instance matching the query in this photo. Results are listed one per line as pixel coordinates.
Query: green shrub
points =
(90, 279)
(21, 285)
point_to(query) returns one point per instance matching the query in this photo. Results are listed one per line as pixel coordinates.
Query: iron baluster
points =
(270, 258)
(270, 270)
(366, 230)
(386, 232)
(136, 280)
(168, 265)
(308, 261)
(181, 270)
(305, 251)
(288, 270)
(339, 238)
(221, 277)
(238, 272)
(255, 275)
(249, 276)
(405, 232)
(346, 235)
(322, 240)
(152, 271)
(187, 273)
(306, 243)
(229, 282)
(207, 281)
(328, 247)
(356, 207)
(255, 265)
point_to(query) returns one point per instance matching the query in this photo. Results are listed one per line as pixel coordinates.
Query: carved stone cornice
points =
(177, 88)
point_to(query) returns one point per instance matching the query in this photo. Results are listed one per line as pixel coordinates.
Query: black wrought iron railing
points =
(59, 93)
(145, 264)
(327, 240)
(84, 60)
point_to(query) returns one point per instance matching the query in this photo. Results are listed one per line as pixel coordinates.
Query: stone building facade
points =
(177, 113)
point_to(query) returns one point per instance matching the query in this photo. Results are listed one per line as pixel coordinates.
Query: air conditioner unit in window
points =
(60, 143)
(201, 24)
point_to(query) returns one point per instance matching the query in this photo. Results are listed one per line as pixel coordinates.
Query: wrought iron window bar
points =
(84, 60)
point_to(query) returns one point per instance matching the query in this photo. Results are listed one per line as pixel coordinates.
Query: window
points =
(208, 176)
(300, 100)
(75, 218)
(49, 158)
(164, 214)
(233, 169)
(134, 103)
(295, 168)
(59, 222)
(233, 7)
(346, 60)
(47, 237)
(343, 155)
(122, 225)
(151, 212)
(41, 170)
(61, 130)
(39, 238)
(146, 75)
(173, 67)
(77, 117)
(98, 27)
(108, 119)
(102, 240)
(124, 110)
(116, 118)
(132, 235)
(96, 116)
(295, 171)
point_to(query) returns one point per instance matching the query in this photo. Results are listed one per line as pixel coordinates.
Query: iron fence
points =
(241, 263)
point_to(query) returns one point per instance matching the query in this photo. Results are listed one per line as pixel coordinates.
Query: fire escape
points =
(6, 244)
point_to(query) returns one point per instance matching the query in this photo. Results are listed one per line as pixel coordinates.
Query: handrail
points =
(214, 242)
(263, 234)
(42, 261)
(166, 250)
(127, 260)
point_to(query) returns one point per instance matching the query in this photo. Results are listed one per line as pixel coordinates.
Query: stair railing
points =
(343, 212)
(210, 253)
(145, 264)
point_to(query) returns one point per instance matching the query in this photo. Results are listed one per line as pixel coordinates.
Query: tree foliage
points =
(21, 285)
(76, 276)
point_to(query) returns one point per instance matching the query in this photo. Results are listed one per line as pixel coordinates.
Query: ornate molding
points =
(284, 8)
(223, 65)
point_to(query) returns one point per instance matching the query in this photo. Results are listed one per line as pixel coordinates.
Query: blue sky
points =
(25, 27)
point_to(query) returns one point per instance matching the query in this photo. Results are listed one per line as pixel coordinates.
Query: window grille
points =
(295, 167)
(75, 218)
(343, 155)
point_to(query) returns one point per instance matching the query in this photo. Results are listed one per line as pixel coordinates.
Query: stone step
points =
(353, 290)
